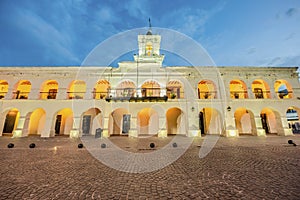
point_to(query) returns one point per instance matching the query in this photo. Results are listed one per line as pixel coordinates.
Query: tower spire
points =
(150, 23)
(150, 28)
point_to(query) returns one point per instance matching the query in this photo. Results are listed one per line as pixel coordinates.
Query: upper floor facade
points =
(198, 83)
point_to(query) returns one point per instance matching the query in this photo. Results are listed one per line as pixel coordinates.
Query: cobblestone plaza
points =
(247, 167)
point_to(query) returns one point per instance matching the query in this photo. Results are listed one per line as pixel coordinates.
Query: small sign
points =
(98, 133)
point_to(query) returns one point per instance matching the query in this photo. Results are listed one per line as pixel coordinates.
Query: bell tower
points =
(149, 46)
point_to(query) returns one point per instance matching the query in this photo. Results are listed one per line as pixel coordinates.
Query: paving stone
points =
(239, 168)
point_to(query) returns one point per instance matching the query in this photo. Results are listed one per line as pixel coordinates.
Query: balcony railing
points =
(238, 94)
(262, 94)
(207, 95)
(2, 95)
(20, 95)
(76, 95)
(137, 94)
(50, 95)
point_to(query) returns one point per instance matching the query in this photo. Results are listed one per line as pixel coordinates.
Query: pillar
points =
(76, 132)
(133, 127)
(47, 131)
(259, 128)
(286, 130)
(19, 129)
(192, 121)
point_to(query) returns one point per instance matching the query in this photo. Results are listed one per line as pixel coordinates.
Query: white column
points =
(193, 121)
(286, 130)
(231, 130)
(47, 131)
(259, 127)
(18, 131)
(76, 131)
(133, 127)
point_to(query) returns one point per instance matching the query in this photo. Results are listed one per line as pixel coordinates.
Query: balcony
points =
(238, 94)
(137, 95)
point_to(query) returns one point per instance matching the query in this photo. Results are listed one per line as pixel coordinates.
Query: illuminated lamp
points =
(228, 108)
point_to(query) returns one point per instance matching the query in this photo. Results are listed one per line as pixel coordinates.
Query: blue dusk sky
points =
(233, 32)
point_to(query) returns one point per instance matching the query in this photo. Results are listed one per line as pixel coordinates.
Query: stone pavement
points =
(236, 168)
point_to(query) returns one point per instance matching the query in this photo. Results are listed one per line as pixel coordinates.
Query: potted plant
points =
(173, 95)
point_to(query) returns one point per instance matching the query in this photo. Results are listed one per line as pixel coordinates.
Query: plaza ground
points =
(247, 167)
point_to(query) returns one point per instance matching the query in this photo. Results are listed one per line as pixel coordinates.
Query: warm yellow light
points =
(162, 134)
(194, 133)
(261, 132)
(232, 133)
(17, 133)
(74, 133)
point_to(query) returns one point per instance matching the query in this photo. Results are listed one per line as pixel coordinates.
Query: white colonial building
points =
(143, 97)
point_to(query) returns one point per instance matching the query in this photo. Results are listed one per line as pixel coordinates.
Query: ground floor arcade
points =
(140, 119)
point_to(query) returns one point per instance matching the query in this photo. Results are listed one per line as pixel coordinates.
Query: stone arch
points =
(22, 89)
(119, 122)
(49, 89)
(238, 89)
(283, 89)
(11, 121)
(3, 88)
(34, 122)
(151, 88)
(101, 89)
(175, 89)
(147, 122)
(63, 122)
(207, 90)
(210, 121)
(91, 119)
(77, 89)
(245, 121)
(261, 89)
(175, 121)
(271, 121)
(126, 88)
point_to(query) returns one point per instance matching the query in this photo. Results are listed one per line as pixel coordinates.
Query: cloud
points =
(251, 50)
(137, 8)
(291, 12)
(57, 43)
(190, 20)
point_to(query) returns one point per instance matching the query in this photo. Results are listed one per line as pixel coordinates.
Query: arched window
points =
(22, 89)
(207, 90)
(283, 89)
(101, 89)
(238, 89)
(49, 89)
(175, 89)
(77, 89)
(151, 89)
(126, 88)
(3, 88)
(261, 89)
